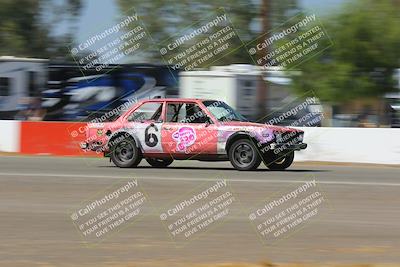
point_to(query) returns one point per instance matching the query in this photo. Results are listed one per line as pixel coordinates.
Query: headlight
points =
(265, 134)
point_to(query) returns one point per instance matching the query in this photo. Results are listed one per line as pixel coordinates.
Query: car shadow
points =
(218, 169)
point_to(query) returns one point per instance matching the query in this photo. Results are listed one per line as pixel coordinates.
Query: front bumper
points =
(287, 147)
(296, 147)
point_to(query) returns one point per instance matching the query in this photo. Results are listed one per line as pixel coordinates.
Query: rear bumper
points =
(95, 146)
(84, 145)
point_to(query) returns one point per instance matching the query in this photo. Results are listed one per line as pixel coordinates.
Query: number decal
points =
(151, 139)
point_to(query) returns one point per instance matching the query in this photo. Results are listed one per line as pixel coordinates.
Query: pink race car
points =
(164, 130)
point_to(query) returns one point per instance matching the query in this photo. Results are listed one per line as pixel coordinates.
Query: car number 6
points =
(151, 139)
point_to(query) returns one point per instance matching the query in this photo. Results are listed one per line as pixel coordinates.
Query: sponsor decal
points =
(184, 137)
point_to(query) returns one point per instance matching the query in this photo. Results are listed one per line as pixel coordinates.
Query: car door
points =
(146, 124)
(187, 130)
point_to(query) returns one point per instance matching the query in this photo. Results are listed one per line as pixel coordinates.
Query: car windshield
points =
(223, 112)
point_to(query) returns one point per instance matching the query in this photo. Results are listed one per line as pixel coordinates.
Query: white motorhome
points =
(237, 85)
(20, 78)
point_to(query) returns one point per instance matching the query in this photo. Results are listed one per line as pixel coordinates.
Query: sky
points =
(100, 14)
(322, 6)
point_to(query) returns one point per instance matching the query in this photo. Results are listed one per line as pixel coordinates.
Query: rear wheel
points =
(159, 163)
(244, 155)
(126, 154)
(283, 162)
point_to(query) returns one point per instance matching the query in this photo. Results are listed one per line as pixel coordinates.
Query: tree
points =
(360, 64)
(25, 29)
(282, 10)
(173, 17)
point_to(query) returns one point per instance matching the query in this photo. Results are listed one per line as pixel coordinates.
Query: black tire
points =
(282, 163)
(125, 154)
(244, 155)
(159, 163)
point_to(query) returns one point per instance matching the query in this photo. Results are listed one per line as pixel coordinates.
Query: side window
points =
(4, 86)
(186, 113)
(146, 112)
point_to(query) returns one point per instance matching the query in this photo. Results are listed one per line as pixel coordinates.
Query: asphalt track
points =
(361, 223)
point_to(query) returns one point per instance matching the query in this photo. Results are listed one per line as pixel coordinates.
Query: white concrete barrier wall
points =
(360, 145)
(10, 136)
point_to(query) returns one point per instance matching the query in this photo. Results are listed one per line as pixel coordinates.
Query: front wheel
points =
(126, 154)
(244, 155)
(159, 163)
(282, 163)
